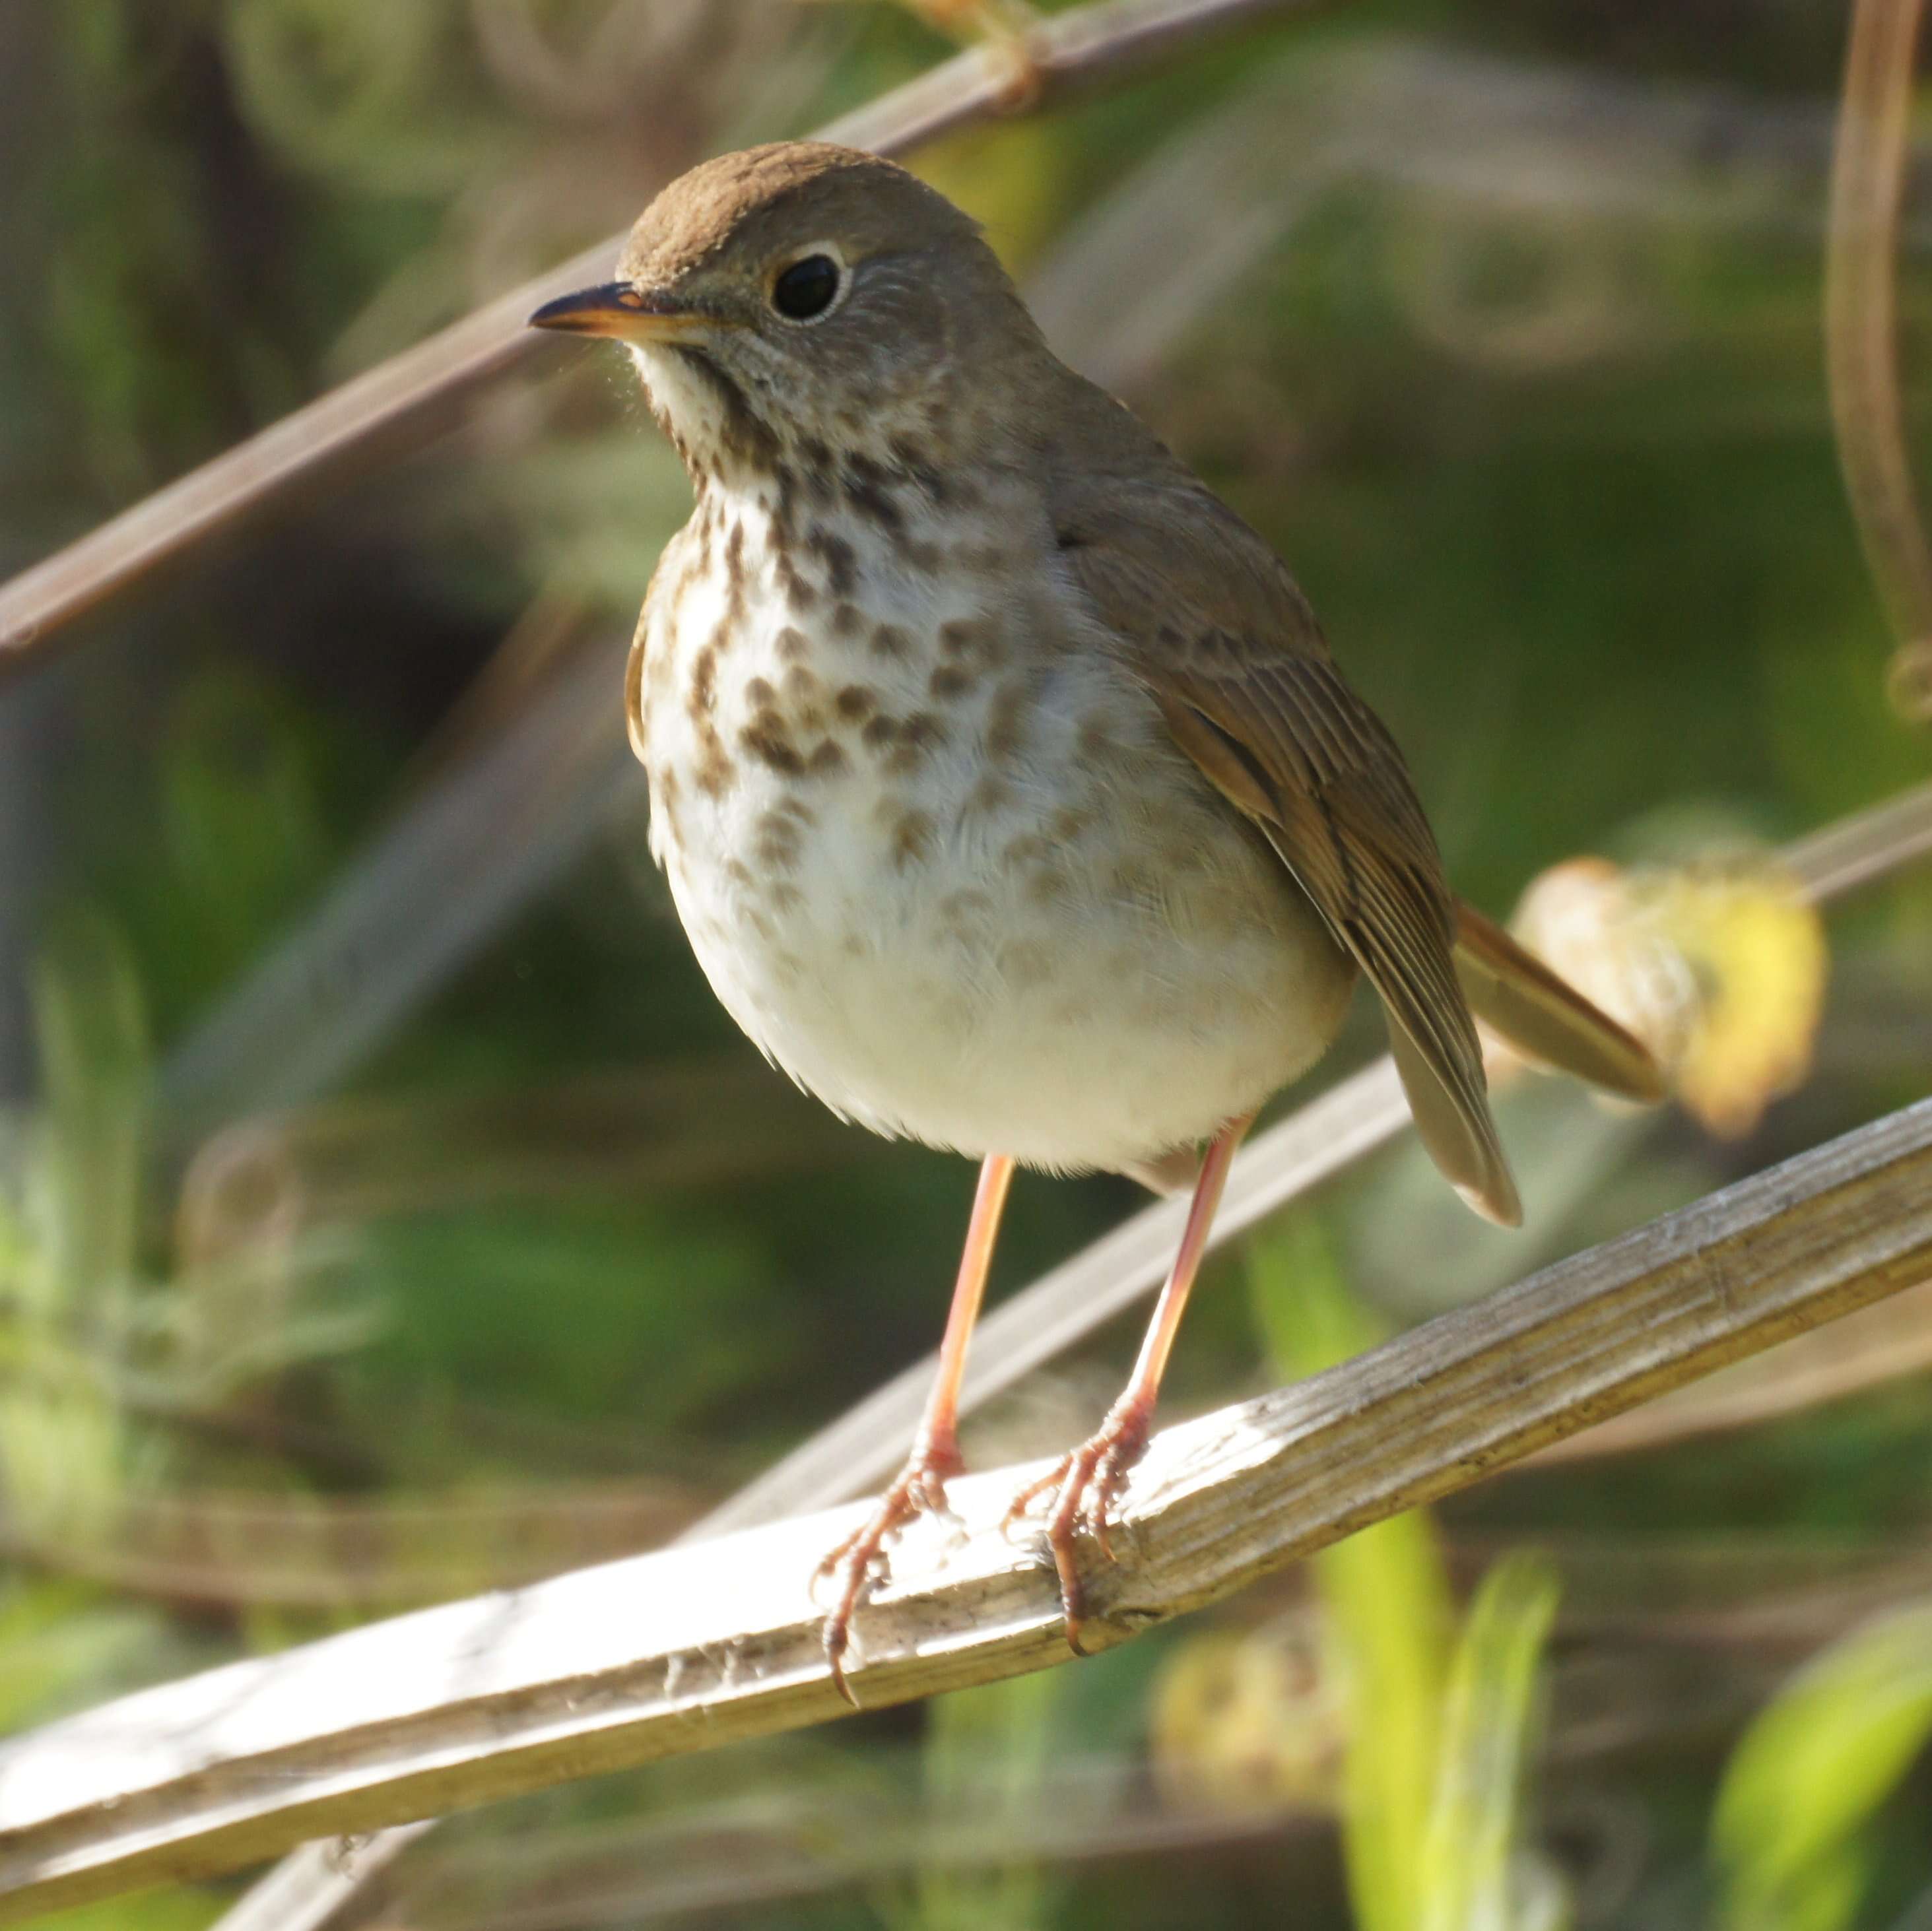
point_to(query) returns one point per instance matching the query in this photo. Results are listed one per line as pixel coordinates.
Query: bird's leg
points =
(1087, 1482)
(921, 1484)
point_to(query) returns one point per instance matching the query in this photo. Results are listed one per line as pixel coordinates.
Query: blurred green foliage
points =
(1386, 1600)
(1793, 1824)
(1502, 322)
(1440, 1726)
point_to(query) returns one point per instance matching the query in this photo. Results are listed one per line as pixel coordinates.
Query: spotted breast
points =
(936, 856)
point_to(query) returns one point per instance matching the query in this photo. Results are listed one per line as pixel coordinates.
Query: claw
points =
(860, 1560)
(1085, 1484)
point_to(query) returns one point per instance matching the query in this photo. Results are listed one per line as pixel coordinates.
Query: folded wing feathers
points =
(1252, 695)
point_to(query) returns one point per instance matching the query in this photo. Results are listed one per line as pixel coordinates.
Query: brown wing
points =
(1212, 622)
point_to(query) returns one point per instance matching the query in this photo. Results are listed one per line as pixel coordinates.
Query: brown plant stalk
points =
(1861, 330)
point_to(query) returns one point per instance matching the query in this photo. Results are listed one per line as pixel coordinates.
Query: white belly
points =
(984, 905)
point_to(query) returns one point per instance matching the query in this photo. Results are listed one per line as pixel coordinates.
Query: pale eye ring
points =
(808, 287)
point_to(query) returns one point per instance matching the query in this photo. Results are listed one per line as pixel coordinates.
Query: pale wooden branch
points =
(701, 1645)
(1106, 42)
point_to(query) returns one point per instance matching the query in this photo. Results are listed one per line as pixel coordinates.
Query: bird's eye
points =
(806, 289)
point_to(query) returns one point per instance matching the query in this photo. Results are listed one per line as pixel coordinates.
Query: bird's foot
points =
(859, 1563)
(1085, 1485)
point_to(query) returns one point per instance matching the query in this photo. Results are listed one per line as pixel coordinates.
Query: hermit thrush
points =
(1006, 786)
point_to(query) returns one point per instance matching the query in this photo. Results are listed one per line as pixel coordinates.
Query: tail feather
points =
(1460, 1134)
(1545, 1017)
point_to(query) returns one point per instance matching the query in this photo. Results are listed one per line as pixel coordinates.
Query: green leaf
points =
(986, 1749)
(1386, 1591)
(1805, 1781)
(91, 1030)
(1475, 1875)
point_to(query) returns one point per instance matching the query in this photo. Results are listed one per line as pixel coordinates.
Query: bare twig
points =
(1861, 313)
(699, 1646)
(1837, 860)
(1106, 42)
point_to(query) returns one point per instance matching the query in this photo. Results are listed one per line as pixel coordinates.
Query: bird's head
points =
(803, 297)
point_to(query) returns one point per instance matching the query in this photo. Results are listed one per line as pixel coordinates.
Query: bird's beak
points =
(617, 309)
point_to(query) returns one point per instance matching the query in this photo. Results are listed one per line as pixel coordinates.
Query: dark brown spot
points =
(889, 641)
(800, 592)
(864, 484)
(776, 842)
(913, 462)
(855, 702)
(716, 774)
(665, 793)
(703, 682)
(950, 680)
(992, 793)
(922, 555)
(1049, 885)
(759, 694)
(916, 737)
(792, 645)
(879, 731)
(846, 620)
(767, 740)
(1006, 720)
(840, 560)
(828, 759)
(912, 839)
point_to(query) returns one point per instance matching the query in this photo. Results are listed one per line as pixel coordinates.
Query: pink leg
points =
(921, 1483)
(1087, 1481)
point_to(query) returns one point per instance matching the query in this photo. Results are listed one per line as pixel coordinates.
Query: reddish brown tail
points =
(1544, 1018)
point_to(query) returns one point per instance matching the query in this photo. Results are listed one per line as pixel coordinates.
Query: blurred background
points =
(388, 1211)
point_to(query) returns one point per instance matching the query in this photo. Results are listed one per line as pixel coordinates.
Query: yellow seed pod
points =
(1248, 1721)
(1719, 967)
